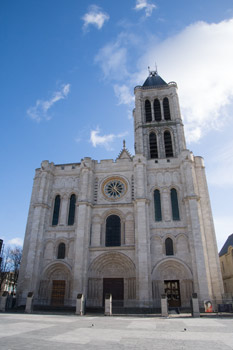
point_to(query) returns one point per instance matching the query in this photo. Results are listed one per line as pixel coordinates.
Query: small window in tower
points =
(72, 210)
(168, 144)
(148, 111)
(56, 210)
(153, 146)
(174, 204)
(157, 110)
(61, 252)
(169, 246)
(157, 201)
(166, 109)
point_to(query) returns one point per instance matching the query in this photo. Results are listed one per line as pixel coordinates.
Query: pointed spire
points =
(124, 153)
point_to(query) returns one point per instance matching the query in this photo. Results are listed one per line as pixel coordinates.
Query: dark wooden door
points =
(172, 289)
(58, 293)
(114, 286)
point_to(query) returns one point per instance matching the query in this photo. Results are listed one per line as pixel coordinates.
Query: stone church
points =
(137, 227)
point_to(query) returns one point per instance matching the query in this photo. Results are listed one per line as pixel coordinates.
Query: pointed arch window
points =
(157, 202)
(153, 145)
(157, 110)
(169, 246)
(174, 205)
(148, 111)
(168, 144)
(56, 210)
(113, 231)
(61, 252)
(72, 210)
(166, 109)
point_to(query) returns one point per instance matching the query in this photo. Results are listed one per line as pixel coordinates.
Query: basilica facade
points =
(137, 227)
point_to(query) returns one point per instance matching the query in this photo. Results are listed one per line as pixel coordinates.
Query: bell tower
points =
(158, 127)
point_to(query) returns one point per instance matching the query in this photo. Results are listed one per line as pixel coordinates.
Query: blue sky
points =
(68, 69)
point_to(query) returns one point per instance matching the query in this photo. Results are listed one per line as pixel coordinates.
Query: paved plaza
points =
(43, 331)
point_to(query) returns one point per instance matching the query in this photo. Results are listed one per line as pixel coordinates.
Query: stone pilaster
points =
(142, 236)
(82, 234)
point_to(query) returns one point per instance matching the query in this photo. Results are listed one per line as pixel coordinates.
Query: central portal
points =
(114, 286)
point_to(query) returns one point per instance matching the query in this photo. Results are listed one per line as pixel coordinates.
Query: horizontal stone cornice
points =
(109, 249)
(191, 197)
(42, 205)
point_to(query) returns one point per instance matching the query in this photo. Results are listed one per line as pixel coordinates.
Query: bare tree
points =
(9, 265)
(15, 257)
(4, 265)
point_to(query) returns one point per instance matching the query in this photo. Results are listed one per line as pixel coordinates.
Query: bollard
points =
(3, 301)
(28, 308)
(164, 308)
(195, 305)
(80, 305)
(108, 305)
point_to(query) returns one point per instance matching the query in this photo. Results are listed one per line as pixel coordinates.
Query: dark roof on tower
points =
(227, 244)
(154, 80)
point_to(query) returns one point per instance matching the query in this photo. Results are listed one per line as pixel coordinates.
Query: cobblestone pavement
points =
(43, 331)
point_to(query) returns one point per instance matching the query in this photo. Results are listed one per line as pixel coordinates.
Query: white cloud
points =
(112, 59)
(105, 140)
(222, 167)
(39, 112)
(124, 95)
(200, 59)
(95, 16)
(144, 4)
(15, 241)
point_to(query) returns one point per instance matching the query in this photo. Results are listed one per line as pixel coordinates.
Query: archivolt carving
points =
(171, 268)
(57, 270)
(112, 264)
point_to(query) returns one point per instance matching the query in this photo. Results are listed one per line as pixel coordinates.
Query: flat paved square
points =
(43, 331)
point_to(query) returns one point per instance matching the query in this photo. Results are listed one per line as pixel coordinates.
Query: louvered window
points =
(72, 210)
(56, 210)
(157, 110)
(157, 202)
(148, 111)
(153, 146)
(168, 144)
(166, 109)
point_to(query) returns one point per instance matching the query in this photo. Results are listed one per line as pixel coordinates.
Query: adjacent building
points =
(226, 261)
(137, 227)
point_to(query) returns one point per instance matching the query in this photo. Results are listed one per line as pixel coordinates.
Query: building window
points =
(168, 144)
(174, 204)
(61, 252)
(169, 246)
(153, 145)
(72, 210)
(56, 210)
(148, 111)
(113, 231)
(157, 110)
(157, 201)
(166, 109)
